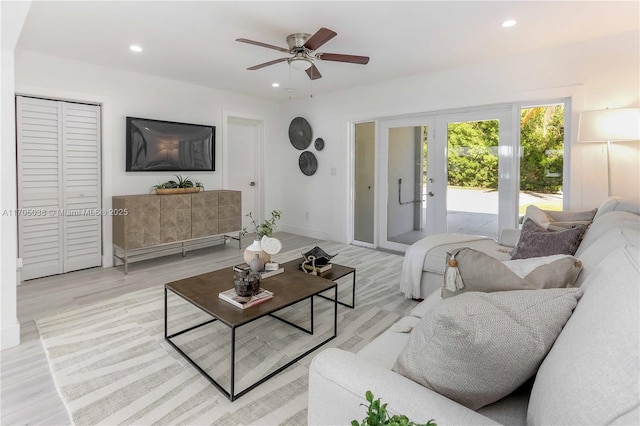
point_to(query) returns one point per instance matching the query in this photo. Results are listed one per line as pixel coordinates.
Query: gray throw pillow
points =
(477, 271)
(479, 347)
(536, 241)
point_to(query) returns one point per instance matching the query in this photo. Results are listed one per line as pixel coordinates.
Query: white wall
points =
(597, 74)
(122, 94)
(13, 17)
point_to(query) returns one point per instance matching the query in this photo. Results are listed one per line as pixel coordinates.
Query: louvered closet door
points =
(81, 186)
(39, 186)
(59, 198)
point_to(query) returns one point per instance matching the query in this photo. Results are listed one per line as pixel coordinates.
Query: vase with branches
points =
(267, 227)
(264, 245)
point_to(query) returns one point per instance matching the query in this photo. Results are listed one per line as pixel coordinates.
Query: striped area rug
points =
(111, 364)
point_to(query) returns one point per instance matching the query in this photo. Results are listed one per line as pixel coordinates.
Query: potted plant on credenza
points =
(179, 186)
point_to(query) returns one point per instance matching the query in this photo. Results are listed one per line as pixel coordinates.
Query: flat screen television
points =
(154, 145)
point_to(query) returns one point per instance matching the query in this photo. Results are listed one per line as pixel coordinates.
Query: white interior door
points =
(81, 181)
(40, 229)
(243, 137)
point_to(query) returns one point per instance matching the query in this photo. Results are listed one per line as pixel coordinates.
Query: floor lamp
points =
(609, 125)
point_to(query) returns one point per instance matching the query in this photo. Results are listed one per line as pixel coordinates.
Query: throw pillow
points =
(554, 220)
(536, 241)
(479, 347)
(472, 270)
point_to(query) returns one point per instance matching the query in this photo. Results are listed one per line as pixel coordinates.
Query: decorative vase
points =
(246, 284)
(252, 250)
(256, 264)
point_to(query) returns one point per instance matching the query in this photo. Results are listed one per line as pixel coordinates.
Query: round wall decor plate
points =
(319, 144)
(308, 163)
(300, 133)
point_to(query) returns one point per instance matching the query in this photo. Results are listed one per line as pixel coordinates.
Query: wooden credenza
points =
(158, 221)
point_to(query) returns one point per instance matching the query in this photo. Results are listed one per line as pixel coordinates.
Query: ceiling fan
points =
(303, 46)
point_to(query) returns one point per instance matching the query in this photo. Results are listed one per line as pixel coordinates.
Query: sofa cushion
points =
(479, 347)
(384, 349)
(614, 239)
(554, 220)
(476, 271)
(427, 304)
(618, 204)
(591, 376)
(536, 241)
(604, 224)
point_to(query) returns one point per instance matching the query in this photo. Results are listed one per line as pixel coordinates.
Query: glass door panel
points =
(364, 183)
(406, 176)
(404, 205)
(478, 195)
(472, 177)
(541, 157)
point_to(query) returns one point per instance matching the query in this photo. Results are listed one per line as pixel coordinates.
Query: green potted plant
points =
(377, 415)
(179, 186)
(264, 244)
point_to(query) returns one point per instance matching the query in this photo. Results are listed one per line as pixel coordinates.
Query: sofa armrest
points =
(338, 381)
(509, 237)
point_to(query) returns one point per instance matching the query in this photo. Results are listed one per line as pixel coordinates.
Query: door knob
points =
(430, 194)
(431, 180)
(252, 184)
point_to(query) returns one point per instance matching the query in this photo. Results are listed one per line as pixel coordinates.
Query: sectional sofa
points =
(589, 376)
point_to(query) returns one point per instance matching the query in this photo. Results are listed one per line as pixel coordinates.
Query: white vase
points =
(256, 248)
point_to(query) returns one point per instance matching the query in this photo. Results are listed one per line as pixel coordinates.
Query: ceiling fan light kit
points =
(300, 63)
(302, 46)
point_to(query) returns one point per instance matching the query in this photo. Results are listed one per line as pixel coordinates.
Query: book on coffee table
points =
(232, 297)
(267, 274)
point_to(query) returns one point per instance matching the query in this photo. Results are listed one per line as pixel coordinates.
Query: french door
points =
(447, 173)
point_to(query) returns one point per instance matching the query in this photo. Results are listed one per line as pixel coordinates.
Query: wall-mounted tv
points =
(154, 145)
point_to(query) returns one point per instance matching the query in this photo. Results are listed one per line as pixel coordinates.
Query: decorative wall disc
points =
(308, 163)
(300, 133)
(319, 144)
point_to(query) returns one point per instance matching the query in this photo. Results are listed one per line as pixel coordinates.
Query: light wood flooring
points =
(28, 394)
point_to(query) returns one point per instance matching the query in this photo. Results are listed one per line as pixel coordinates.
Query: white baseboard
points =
(10, 336)
(313, 233)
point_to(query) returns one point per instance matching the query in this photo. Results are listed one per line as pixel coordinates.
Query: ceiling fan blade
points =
(313, 73)
(258, 43)
(336, 57)
(322, 36)
(266, 64)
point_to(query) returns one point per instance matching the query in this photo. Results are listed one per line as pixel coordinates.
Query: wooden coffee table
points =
(289, 288)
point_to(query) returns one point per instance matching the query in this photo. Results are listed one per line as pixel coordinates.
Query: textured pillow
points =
(474, 270)
(536, 241)
(479, 347)
(554, 220)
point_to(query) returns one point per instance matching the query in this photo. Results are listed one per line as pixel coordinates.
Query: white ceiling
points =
(195, 41)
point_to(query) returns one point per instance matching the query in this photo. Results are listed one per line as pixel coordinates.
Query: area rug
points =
(111, 364)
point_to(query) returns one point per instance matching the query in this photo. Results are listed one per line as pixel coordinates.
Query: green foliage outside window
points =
(473, 151)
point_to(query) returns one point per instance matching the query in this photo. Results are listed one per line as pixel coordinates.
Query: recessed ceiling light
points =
(275, 85)
(135, 48)
(509, 23)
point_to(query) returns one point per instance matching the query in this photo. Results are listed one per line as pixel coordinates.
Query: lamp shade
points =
(609, 125)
